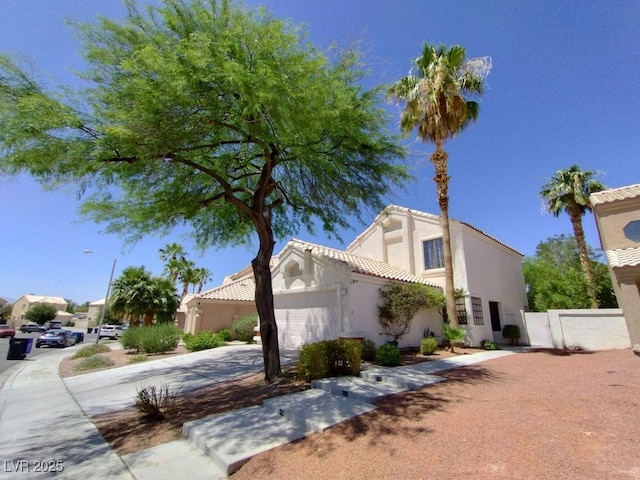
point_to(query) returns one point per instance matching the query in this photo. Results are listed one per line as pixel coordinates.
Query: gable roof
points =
(356, 263)
(44, 299)
(243, 289)
(615, 194)
(424, 215)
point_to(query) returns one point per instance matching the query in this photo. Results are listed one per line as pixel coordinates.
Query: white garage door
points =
(306, 317)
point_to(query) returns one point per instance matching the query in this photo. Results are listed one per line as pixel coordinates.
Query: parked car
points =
(56, 338)
(113, 332)
(7, 331)
(31, 327)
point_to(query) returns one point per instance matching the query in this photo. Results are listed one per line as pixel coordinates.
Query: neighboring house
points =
(26, 302)
(322, 293)
(221, 306)
(617, 213)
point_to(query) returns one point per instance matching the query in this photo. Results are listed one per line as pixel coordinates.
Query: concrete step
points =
(315, 410)
(357, 388)
(230, 439)
(407, 378)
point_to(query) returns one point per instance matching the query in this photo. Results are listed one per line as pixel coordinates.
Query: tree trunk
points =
(439, 160)
(583, 253)
(264, 302)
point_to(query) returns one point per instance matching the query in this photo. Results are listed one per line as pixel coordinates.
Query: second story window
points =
(433, 254)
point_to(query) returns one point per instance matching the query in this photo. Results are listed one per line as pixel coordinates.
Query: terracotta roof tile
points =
(627, 257)
(243, 289)
(614, 194)
(358, 264)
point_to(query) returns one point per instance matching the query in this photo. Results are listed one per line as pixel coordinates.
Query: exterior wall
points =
(364, 297)
(204, 315)
(23, 305)
(612, 218)
(627, 283)
(482, 267)
(590, 330)
(94, 312)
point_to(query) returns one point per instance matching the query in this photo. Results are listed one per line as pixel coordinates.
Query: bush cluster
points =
(203, 340)
(159, 338)
(91, 350)
(388, 355)
(512, 333)
(330, 358)
(157, 402)
(243, 327)
(368, 350)
(488, 345)
(93, 362)
(428, 346)
(226, 334)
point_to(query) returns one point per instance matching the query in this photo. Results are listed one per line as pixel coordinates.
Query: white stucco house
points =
(323, 293)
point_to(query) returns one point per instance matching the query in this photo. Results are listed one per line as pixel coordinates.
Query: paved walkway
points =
(45, 426)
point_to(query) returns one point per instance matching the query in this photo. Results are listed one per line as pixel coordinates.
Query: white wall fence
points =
(598, 329)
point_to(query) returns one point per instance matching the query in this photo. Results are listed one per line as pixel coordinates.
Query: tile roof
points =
(358, 264)
(615, 194)
(44, 299)
(627, 257)
(243, 289)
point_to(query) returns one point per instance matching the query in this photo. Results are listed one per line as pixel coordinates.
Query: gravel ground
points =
(534, 415)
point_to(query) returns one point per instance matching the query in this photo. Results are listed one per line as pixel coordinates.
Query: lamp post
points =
(104, 307)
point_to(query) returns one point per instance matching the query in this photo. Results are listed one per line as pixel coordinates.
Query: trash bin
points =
(27, 349)
(17, 348)
(79, 337)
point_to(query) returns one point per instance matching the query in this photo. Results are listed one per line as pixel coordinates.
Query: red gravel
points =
(534, 415)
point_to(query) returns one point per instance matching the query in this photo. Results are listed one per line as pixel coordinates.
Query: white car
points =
(113, 332)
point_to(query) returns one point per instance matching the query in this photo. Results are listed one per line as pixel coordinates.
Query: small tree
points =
(41, 313)
(400, 302)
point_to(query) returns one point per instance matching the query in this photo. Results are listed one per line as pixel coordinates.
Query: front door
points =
(494, 311)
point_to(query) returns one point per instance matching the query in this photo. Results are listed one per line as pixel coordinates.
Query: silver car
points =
(56, 338)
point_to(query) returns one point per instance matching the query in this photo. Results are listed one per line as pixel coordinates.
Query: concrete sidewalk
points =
(46, 428)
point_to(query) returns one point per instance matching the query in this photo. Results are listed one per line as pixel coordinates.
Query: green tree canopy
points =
(568, 190)
(200, 113)
(41, 313)
(555, 278)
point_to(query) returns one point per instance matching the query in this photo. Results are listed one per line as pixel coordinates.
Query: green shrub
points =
(159, 338)
(243, 328)
(157, 402)
(202, 341)
(388, 355)
(131, 338)
(512, 333)
(93, 362)
(226, 334)
(312, 361)
(91, 350)
(368, 350)
(453, 336)
(488, 345)
(428, 346)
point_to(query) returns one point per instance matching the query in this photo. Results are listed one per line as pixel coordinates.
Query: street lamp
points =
(104, 307)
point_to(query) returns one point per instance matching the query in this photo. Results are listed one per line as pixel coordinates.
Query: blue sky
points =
(563, 89)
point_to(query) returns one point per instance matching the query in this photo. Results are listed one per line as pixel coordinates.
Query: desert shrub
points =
(428, 346)
(159, 338)
(131, 338)
(400, 302)
(91, 350)
(226, 334)
(93, 362)
(488, 345)
(156, 402)
(243, 327)
(202, 341)
(312, 361)
(453, 336)
(368, 350)
(512, 333)
(388, 355)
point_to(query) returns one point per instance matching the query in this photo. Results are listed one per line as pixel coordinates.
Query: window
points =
(294, 270)
(476, 306)
(433, 254)
(461, 311)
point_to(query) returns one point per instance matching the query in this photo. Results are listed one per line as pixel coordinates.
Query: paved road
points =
(4, 348)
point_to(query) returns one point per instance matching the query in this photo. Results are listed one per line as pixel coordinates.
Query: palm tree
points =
(203, 276)
(438, 103)
(188, 276)
(173, 255)
(569, 190)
